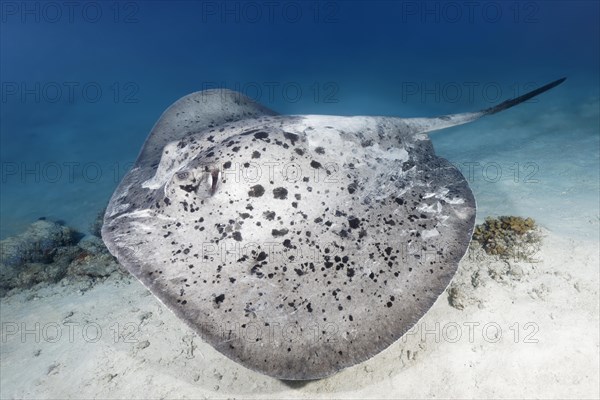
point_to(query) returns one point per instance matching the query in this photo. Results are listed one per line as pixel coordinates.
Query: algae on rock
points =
(509, 237)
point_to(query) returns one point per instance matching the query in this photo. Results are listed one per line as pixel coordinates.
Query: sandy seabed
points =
(503, 329)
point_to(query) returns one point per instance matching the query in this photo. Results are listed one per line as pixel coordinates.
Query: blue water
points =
(82, 86)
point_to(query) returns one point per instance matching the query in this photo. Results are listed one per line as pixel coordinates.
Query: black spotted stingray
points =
(294, 245)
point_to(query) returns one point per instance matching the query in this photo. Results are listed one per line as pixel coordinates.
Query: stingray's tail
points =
(445, 121)
(513, 102)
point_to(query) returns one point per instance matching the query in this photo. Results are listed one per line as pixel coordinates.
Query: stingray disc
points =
(295, 245)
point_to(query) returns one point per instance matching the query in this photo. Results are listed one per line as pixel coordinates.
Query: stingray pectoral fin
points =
(423, 125)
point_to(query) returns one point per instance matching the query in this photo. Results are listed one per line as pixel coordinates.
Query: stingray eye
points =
(183, 175)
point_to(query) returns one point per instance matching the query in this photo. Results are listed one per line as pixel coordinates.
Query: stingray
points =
(295, 245)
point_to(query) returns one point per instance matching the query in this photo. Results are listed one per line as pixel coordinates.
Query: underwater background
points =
(83, 84)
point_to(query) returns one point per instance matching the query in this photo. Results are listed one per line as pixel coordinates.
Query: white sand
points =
(552, 305)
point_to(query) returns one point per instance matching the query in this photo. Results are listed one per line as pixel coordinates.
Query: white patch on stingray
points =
(464, 213)
(350, 124)
(335, 138)
(146, 213)
(429, 233)
(441, 194)
(453, 201)
(433, 208)
(393, 153)
(119, 209)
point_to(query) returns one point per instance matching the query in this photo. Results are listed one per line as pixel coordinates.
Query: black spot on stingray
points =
(352, 187)
(320, 150)
(237, 236)
(279, 232)
(256, 191)
(300, 152)
(399, 200)
(315, 164)
(232, 280)
(227, 165)
(353, 222)
(261, 256)
(299, 271)
(219, 299)
(350, 272)
(280, 193)
(256, 271)
(188, 188)
(261, 135)
(269, 215)
(255, 154)
(309, 307)
(291, 137)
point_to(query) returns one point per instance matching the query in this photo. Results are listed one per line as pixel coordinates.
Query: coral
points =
(457, 298)
(509, 237)
(48, 252)
(37, 244)
(481, 268)
(23, 258)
